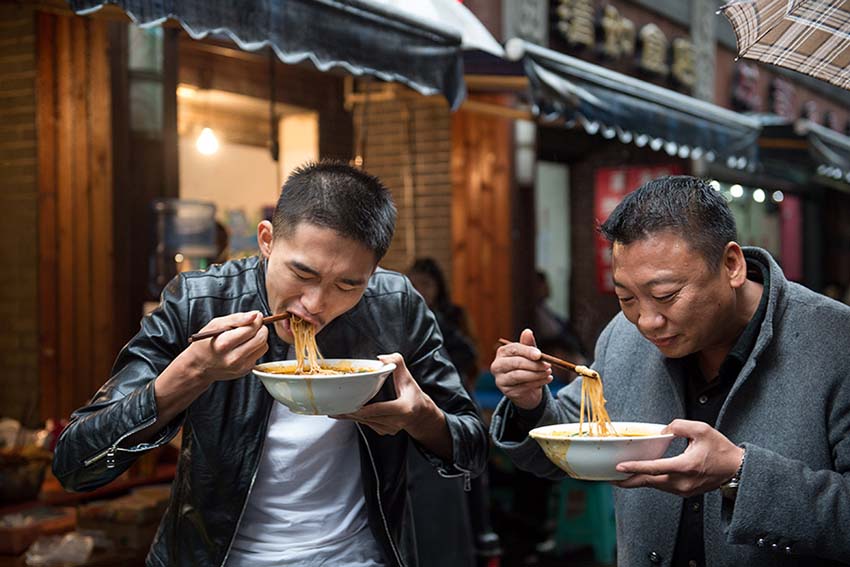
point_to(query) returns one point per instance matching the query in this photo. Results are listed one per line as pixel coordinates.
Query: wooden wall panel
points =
(481, 224)
(75, 210)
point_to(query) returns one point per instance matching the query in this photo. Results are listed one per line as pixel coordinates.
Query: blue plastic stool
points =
(594, 525)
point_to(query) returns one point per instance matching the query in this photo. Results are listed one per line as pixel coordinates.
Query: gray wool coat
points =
(790, 409)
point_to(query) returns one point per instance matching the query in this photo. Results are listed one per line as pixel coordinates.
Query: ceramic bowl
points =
(596, 458)
(325, 394)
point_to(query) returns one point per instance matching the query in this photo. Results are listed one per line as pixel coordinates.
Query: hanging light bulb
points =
(207, 142)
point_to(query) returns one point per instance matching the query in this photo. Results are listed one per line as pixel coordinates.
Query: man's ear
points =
(734, 264)
(265, 237)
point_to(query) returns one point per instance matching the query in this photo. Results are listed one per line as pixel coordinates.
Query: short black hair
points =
(683, 204)
(335, 195)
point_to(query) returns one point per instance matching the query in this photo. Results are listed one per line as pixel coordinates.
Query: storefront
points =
(608, 133)
(101, 103)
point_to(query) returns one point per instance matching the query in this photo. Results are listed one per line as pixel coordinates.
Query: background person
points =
(257, 484)
(448, 524)
(748, 368)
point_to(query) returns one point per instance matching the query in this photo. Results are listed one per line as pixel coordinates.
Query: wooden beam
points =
(497, 110)
(510, 83)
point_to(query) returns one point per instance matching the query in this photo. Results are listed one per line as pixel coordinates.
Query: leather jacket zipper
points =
(467, 477)
(110, 451)
(378, 494)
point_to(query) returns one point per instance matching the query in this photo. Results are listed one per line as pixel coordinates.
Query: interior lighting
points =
(737, 191)
(778, 196)
(758, 195)
(207, 142)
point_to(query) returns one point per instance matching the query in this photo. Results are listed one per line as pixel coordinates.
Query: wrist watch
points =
(729, 489)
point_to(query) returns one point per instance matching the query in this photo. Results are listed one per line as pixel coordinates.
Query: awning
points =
(362, 37)
(614, 105)
(806, 144)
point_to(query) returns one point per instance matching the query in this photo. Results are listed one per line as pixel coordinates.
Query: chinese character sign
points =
(611, 185)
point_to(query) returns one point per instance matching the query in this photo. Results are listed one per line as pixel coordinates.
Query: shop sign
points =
(745, 83)
(781, 98)
(684, 67)
(611, 185)
(653, 54)
(604, 30)
(618, 34)
(576, 22)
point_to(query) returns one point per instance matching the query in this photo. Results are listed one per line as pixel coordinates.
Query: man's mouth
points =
(662, 342)
(307, 319)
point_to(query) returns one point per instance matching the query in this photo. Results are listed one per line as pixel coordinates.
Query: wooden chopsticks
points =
(577, 368)
(217, 332)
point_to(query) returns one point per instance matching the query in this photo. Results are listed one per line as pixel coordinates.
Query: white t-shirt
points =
(307, 505)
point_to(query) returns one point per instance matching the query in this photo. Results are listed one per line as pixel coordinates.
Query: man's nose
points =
(650, 320)
(313, 300)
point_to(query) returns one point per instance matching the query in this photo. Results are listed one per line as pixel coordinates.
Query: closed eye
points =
(624, 299)
(665, 298)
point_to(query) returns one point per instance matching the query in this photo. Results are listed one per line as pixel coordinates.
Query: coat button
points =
(760, 542)
(654, 558)
(774, 546)
(787, 550)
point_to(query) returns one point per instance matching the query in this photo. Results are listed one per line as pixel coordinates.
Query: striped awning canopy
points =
(809, 36)
(361, 37)
(577, 93)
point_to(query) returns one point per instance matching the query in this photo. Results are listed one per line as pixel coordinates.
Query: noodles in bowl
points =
(339, 385)
(596, 458)
(592, 448)
(313, 385)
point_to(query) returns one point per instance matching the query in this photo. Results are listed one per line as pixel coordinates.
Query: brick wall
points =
(407, 144)
(18, 229)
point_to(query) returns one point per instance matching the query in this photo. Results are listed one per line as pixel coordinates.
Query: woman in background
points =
(451, 529)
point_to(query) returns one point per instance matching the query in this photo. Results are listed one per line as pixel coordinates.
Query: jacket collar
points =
(777, 302)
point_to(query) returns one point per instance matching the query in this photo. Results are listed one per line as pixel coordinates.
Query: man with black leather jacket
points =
(257, 484)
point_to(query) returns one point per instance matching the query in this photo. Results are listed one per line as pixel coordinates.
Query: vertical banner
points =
(791, 239)
(611, 185)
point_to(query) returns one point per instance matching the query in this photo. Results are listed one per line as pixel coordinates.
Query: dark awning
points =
(358, 36)
(806, 144)
(611, 104)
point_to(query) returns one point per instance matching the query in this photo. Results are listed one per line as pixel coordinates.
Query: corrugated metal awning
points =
(362, 37)
(806, 144)
(615, 105)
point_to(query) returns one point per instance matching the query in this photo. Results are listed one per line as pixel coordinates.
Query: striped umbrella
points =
(809, 36)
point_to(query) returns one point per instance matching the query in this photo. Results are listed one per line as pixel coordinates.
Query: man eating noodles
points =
(749, 369)
(257, 484)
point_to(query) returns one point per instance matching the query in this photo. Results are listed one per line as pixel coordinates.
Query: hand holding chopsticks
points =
(216, 332)
(577, 368)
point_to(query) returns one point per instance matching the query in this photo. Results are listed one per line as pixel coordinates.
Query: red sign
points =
(611, 185)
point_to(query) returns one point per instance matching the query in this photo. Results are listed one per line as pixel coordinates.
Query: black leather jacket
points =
(224, 429)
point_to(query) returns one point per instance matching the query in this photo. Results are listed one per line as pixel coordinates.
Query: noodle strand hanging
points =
(592, 405)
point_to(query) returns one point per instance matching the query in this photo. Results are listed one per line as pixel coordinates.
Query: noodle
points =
(593, 405)
(306, 350)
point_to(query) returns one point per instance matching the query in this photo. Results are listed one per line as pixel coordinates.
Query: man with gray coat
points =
(750, 371)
